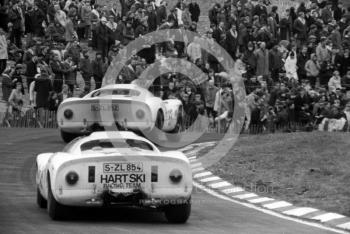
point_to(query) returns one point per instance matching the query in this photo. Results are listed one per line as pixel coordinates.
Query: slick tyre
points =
(56, 211)
(40, 200)
(178, 213)
(174, 136)
(159, 120)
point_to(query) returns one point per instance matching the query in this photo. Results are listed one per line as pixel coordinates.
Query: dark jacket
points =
(300, 29)
(86, 68)
(99, 69)
(152, 21)
(42, 88)
(195, 11)
(6, 87)
(15, 18)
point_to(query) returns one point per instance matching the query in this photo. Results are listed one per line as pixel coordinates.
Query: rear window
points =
(115, 144)
(119, 92)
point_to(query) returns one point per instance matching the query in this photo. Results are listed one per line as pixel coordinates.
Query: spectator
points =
(232, 41)
(335, 82)
(42, 89)
(322, 51)
(152, 18)
(71, 73)
(312, 69)
(300, 28)
(15, 16)
(31, 69)
(86, 69)
(99, 68)
(58, 71)
(276, 63)
(16, 100)
(70, 33)
(194, 10)
(6, 85)
(3, 51)
(302, 57)
(262, 57)
(194, 50)
(85, 24)
(346, 82)
(291, 66)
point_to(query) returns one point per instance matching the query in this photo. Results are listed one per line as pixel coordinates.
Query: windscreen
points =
(119, 92)
(115, 144)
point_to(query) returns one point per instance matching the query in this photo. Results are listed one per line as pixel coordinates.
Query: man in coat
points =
(59, 71)
(15, 17)
(99, 68)
(194, 10)
(300, 29)
(102, 37)
(86, 69)
(262, 55)
(152, 19)
(232, 41)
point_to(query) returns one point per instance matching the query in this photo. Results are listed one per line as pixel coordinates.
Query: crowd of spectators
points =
(296, 62)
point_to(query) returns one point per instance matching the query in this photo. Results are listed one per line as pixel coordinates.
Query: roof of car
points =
(115, 134)
(123, 86)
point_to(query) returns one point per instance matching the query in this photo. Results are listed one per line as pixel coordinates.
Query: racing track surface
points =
(19, 213)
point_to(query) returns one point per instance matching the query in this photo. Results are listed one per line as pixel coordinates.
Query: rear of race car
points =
(116, 180)
(80, 116)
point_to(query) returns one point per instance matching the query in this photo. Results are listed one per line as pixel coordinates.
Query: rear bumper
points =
(83, 128)
(87, 198)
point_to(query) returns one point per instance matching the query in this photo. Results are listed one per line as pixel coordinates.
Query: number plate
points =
(122, 167)
(104, 107)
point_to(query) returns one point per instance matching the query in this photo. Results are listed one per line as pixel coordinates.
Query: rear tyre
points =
(40, 200)
(68, 137)
(56, 211)
(178, 213)
(174, 136)
(160, 120)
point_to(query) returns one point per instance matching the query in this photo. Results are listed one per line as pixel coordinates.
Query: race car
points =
(124, 106)
(114, 169)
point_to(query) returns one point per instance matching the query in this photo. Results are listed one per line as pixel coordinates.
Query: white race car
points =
(111, 169)
(123, 105)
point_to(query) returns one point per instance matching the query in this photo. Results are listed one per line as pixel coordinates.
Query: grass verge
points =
(306, 169)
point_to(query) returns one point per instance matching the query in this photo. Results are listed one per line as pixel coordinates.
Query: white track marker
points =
(328, 216)
(276, 205)
(301, 211)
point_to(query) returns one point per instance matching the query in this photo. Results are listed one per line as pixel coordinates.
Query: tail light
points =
(91, 174)
(68, 114)
(154, 174)
(72, 178)
(175, 176)
(140, 114)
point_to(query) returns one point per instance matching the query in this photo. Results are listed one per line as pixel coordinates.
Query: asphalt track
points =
(20, 214)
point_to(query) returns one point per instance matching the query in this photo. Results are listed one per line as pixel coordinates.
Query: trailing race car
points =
(127, 106)
(111, 169)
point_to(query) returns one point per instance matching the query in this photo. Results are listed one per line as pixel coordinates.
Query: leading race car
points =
(123, 105)
(111, 169)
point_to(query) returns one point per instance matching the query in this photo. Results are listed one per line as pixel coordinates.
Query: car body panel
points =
(129, 105)
(55, 167)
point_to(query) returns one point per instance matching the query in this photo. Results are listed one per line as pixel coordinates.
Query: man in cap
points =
(102, 37)
(86, 68)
